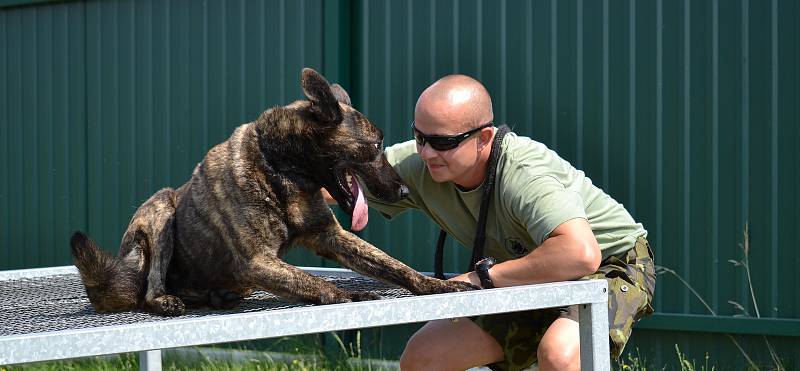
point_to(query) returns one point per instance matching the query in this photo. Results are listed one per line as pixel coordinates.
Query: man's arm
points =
(569, 253)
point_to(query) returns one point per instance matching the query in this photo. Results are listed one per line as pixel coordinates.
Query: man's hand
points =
(327, 196)
(470, 277)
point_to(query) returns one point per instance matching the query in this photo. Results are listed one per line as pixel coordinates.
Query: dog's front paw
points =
(363, 296)
(167, 305)
(436, 286)
(456, 286)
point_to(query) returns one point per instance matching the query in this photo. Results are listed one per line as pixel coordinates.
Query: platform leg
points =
(150, 360)
(593, 321)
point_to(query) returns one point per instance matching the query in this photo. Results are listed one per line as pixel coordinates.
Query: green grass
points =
(131, 362)
(316, 360)
(633, 361)
(293, 354)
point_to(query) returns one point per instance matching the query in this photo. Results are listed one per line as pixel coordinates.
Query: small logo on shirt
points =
(515, 247)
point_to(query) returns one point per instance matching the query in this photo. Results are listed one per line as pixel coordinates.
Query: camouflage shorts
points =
(631, 282)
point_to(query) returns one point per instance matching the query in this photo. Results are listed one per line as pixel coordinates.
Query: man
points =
(546, 222)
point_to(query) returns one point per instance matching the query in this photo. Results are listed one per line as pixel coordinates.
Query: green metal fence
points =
(105, 102)
(684, 111)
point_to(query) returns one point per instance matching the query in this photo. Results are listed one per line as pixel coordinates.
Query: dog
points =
(222, 234)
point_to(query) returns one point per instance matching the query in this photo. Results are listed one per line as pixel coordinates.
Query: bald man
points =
(546, 223)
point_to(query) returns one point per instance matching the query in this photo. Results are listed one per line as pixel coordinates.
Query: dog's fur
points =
(222, 234)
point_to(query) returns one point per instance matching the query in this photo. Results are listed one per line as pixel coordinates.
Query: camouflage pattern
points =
(631, 281)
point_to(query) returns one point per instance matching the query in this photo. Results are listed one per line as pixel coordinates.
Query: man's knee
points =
(559, 356)
(450, 345)
(417, 356)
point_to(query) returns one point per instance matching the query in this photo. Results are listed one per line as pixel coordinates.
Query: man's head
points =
(455, 104)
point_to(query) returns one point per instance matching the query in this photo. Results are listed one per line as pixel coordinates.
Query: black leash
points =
(480, 233)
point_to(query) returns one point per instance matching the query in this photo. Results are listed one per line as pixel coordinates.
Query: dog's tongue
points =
(360, 214)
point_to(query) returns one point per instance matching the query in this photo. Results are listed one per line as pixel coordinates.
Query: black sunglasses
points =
(444, 142)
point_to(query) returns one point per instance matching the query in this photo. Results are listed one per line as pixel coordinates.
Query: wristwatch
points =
(482, 269)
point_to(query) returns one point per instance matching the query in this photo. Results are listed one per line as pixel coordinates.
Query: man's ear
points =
(484, 137)
(324, 104)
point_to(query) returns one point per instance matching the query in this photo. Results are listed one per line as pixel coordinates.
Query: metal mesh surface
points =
(53, 303)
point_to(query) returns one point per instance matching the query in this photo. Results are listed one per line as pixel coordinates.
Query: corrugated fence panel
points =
(43, 128)
(684, 111)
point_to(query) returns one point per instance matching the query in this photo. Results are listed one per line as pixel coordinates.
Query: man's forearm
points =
(559, 258)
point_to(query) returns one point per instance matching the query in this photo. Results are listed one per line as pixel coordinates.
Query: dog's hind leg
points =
(292, 283)
(358, 255)
(161, 243)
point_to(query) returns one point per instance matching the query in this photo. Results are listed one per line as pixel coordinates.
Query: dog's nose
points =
(404, 192)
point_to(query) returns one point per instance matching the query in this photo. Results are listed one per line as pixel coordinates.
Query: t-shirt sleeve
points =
(542, 204)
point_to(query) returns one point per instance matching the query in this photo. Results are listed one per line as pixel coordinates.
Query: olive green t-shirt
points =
(535, 192)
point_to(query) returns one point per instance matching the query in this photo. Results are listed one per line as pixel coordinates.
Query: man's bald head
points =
(455, 102)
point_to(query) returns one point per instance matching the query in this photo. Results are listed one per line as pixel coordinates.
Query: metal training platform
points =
(46, 315)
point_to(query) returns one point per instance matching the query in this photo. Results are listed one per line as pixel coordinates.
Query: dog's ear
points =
(340, 94)
(323, 101)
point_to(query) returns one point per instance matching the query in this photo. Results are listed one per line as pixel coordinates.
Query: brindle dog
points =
(222, 234)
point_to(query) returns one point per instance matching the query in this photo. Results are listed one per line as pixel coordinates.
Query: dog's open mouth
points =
(353, 200)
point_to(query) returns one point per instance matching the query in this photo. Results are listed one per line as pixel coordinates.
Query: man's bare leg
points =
(448, 345)
(560, 348)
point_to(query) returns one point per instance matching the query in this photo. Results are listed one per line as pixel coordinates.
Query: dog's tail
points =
(94, 264)
(112, 283)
